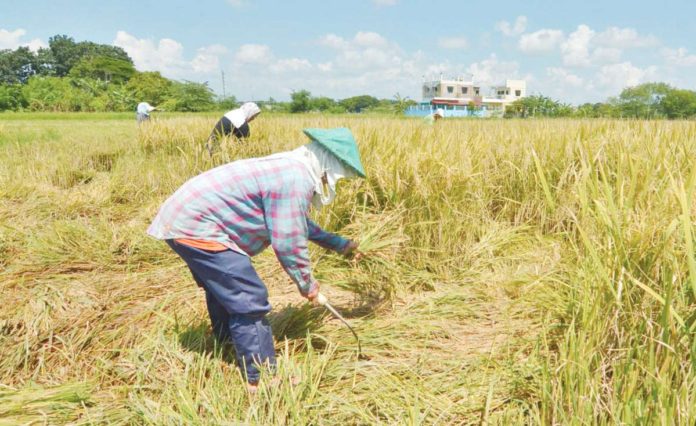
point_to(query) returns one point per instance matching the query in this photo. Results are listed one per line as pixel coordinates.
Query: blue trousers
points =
(237, 302)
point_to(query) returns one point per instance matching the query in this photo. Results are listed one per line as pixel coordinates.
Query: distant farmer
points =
(143, 112)
(217, 220)
(437, 115)
(235, 122)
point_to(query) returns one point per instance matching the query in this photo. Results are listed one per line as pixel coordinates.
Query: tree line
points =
(86, 76)
(645, 101)
(303, 101)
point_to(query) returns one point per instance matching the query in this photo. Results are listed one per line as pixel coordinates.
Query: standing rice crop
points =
(536, 271)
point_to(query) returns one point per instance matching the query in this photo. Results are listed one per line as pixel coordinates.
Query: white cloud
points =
(624, 38)
(541, 41)
(326, 66)
(492, 71)
(366, 50)
(363, 63)
(576, 48)
(290, 65)
(10, 39)
(208, 59)
(511, 30)
(333, 41)
(585, 47)
(370, 39)
(167, 56)
(36, 44)
(606, 55)
(385, 2)
(13, 39)
(616, 77)
(361, 40)
(236, 3)
(453, 43)
(253, 54)
(563, 77)
(680, 57)
(567, 86)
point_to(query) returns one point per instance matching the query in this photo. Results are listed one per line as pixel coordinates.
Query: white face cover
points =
(332, 170)
(324, 167)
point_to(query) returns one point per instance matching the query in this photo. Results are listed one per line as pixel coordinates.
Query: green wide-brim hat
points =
(339, 142)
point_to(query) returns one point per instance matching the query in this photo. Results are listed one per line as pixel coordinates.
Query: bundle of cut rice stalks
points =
(384, 268)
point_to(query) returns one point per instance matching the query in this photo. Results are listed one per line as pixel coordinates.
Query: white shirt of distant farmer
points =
(144, 108)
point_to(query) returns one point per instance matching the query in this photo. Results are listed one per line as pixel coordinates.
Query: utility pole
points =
(224, 95)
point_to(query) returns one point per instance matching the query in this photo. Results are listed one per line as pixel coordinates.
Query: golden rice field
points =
(518, 272)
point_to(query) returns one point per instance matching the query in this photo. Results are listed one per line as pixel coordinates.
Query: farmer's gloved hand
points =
(352, 251)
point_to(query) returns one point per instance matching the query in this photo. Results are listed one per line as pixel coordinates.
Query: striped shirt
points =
(248, 205)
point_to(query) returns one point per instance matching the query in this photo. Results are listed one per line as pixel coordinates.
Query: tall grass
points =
(535, 272)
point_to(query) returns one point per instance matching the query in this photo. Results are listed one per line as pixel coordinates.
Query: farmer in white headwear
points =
(437, 115)
(219, 219)
(235, 122)
(142, 112)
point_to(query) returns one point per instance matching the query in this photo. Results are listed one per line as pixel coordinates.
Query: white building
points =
(511, 91)
(461, 97)
(458, 89)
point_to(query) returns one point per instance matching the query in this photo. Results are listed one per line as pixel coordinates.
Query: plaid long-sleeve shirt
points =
(247, 206)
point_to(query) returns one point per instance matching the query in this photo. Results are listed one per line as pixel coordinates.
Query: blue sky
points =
(584, 51)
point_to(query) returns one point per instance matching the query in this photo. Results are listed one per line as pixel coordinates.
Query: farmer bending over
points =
(235, 122)
(217, 220)
(142, 112)
(439, 114)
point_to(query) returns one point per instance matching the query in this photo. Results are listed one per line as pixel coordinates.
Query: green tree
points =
(359, 103)
(272, 104)
(66, 53)
(11, 97)
(149, 87)
(596, 110)
(401, 103)
(63, 53)
(17, 66)
(586, 110)
(322, 103)
(538, 106)
(228, 103)
(44, 62)
(92, 87)
(189, 96)
(642, 101)
(679, 103)
(54, 94)
(300, 101)
(103, 68)
(120, 99)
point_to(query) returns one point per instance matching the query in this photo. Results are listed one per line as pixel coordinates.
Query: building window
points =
(518, 93)
(465, 90)
(507, 91)
(450, 89)
(476, 91)
(427, 89)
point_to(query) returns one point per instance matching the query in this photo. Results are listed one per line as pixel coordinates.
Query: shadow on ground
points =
(292, 323)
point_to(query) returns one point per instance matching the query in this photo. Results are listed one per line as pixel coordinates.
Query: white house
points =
(460, 97)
